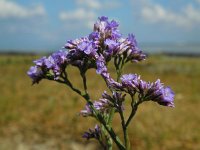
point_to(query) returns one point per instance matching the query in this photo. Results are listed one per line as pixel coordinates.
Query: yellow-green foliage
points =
(50, 110)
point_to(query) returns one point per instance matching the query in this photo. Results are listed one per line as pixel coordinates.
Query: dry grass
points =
(47, 111)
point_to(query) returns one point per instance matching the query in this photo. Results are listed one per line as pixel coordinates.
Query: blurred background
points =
(45, 116)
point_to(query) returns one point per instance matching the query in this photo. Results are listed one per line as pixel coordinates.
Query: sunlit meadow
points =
(47, 116)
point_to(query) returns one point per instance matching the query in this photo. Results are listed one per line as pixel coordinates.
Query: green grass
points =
(50, 110)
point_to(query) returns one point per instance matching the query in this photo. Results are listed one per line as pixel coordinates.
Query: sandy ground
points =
(17, 143)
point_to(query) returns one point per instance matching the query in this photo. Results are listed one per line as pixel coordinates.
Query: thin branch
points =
(108, 128)
(65, 77)
(112, 133)
(134, 106)
(87, 96)
(124, 127)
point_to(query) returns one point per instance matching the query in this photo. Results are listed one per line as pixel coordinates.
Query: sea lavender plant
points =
(105, 44)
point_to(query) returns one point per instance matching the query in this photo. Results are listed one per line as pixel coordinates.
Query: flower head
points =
(101, 65)
(40, 62)
(167, 97)
(87, 111)
(103, 105)
(106, 28)
(107, 102)
(129, 47)
(93, 133)
(35, 74)
(157, 92)
(130, 80)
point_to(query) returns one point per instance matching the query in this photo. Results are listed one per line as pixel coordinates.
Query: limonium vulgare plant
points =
(104, 45)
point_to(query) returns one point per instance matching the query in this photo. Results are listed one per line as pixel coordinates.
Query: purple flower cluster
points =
(92, 51)
(105, 103)
(48, 67)
(149, 91)
(87, 111)
(95, 51)
(93, 133)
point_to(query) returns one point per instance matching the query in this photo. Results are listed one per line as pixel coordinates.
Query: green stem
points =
(134, 106)
(124, 127)
(108, 128)
(102, 120)
(107, 138)
(123, 123)
(97, 115)
(87, 96)
(113, 136)
(111, 115)
(70, 84)
(109, 122)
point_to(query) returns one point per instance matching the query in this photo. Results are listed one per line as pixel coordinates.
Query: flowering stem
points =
(109, 122)
(124, 127)
(108, 128)
(68, 83)
(97, 115)
(134, 106)
(112, 134)
(119, 67)
(102, 143)
(85, 85)
(101, 119)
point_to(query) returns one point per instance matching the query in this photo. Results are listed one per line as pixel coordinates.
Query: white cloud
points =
(12, 9)
(99, 4)
(93, 4)
(188, 17)
(112, 4)
(86, 12)
(79, 15)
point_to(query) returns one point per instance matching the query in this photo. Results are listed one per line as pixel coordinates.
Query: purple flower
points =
(167, 97)
(82, 53)
(102, 105)
(88, 48)
(107, 29)
(72, 44)
(157, 92)
(130, 48)
(40, 62)
(103, 18)
(130, 83)
(35, 73)
(57, 62)
(49, 62)
(93, 133)
(111, 83)
(118, 100)
(130, 80)
(107, 102)
(52, 66)
(152, 90)
(111, 44)
(111, 48)
(94, 36)
(60, 57)
(144, 86)
(101, 66)
(87, 111)
(132, 39)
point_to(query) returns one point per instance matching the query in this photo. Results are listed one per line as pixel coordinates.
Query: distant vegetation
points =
(49, 112)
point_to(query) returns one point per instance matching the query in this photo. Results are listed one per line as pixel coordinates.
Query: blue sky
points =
(35, 25)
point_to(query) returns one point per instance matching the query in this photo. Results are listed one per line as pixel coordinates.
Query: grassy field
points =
(45, 116)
